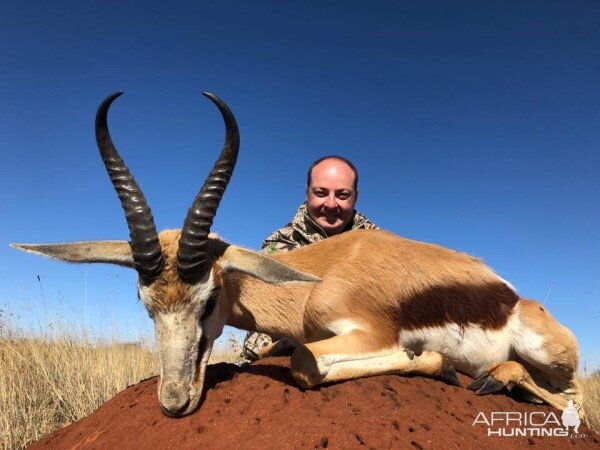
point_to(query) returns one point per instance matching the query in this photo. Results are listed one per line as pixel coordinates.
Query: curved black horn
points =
(145, 247)
(192, 256)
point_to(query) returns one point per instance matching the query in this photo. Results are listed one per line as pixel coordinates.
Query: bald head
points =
(329, 158)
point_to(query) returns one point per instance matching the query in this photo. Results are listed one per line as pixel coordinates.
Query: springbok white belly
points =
(470, 348)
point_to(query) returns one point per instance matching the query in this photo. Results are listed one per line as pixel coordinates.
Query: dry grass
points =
(229, 351)
(591, 389)
(50, 381)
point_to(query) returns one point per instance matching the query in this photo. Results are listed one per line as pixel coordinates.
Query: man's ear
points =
(110, 252)
(262, 267)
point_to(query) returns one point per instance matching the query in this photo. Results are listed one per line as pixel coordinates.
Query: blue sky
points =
(475, 125)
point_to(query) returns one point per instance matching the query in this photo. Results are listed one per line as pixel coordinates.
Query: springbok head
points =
(181, 273)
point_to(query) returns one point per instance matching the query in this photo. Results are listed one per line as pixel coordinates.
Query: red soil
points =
(259, 406)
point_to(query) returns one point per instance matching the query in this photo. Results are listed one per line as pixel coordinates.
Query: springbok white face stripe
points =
(178, 334)
(200, 292)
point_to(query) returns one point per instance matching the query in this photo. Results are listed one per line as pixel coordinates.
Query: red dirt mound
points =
(259, 406)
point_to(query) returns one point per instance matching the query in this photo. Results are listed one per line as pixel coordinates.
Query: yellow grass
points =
(51, 381)
(47, 384)
(591, 389)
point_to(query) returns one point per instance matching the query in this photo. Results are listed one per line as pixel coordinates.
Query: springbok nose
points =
(174, 398)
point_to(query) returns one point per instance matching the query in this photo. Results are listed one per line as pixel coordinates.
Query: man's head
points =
(331, 192)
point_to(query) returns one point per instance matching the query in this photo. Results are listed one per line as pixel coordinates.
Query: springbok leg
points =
(357, 354)
(512, 373)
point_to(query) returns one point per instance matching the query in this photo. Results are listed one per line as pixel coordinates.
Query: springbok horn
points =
(192, 256)
(145, 247)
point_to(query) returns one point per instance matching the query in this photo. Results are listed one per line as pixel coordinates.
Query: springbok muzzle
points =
(174, 398)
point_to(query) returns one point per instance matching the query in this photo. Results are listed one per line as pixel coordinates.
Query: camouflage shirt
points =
(303, 230)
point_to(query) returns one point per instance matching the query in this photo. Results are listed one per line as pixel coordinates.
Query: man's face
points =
(331, 196)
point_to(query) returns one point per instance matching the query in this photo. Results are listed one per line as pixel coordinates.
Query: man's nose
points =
(331, 201)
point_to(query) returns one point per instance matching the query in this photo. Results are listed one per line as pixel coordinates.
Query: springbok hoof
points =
(476, 384)
(449, 376)
(305, 369)
(486, 385)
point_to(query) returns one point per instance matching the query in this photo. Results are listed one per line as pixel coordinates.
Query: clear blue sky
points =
(475, 125)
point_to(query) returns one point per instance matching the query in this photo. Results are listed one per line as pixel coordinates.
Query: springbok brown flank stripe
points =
(488, 305)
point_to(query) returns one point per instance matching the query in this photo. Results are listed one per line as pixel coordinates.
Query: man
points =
(331, 193)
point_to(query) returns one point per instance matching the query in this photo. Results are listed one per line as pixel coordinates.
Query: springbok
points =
(359, 304)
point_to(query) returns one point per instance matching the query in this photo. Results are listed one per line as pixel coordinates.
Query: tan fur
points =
(558, 340)
(113, 252)
(355, 355)
(369, 275)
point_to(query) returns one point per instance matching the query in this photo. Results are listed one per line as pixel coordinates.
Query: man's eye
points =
(320, 194)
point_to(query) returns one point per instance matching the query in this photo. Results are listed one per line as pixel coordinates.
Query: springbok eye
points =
(212, 302)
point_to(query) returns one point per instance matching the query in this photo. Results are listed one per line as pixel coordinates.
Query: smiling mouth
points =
(330, 218)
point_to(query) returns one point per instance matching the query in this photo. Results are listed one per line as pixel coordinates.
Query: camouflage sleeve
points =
(279, 241)
(281, 244)
(368, 225)
(275, 246)
(361, 222)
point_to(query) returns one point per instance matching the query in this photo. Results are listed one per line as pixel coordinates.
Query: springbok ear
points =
(262, 267)
(110, 252)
